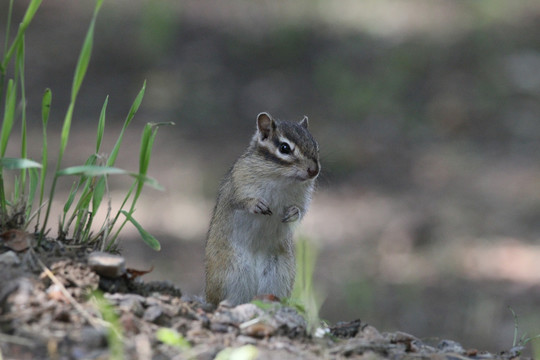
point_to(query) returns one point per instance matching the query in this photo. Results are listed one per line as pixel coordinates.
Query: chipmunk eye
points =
(284, 148)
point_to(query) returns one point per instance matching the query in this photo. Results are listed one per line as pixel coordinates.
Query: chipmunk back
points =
(250, 249)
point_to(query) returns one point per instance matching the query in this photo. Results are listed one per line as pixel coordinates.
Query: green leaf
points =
(45, 111)
(173, 338)
(101, 124)
(91, 170)
(147, 180)
(80, 71)
(84, 59)
(246, 352)
(71, 198)
(17, 164)
(136, 103)
(98, 193)
(147, 238)
(28, 16)
(46, 107)
(9, 116)
(34, 179)
(132, 111)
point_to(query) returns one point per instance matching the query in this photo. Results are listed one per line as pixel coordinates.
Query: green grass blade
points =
(147, 238)
(46, 107)
(16, 190)
(91, 170)
(304, 291)
(32, 188)
(101, 125)
(91, 161)
(8, 25)
(45, 111)
(147, 141)
(19, 68)
(147, 180)
(131, 114)
(112, 240)
(80, 72)
(28, 16)
(9, 116)
(18, 164)
(147, 144)
(98, 193)
(70, 199)
(84, 57)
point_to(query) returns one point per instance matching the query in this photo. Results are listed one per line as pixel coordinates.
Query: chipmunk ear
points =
(266, 125)
(304, 122)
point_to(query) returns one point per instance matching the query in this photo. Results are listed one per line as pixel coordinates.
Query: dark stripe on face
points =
(268, 155)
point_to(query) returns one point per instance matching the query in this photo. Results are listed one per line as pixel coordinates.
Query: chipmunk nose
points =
(313, 170)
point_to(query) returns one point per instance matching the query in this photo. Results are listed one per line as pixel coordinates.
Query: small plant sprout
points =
(520, 341)
(114, 331)
(305, 296)
(171, 337)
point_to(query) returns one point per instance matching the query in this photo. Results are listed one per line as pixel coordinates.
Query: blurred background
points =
(427, 213)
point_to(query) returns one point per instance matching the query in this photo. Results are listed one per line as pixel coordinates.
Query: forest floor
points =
(50, 308)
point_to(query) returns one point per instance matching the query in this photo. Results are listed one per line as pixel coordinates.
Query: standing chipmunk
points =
(250, 250)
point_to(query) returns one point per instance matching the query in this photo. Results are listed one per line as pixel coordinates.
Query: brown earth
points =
(49, 309)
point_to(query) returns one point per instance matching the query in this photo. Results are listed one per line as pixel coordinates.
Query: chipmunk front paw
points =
(292, 213)
(259, 206)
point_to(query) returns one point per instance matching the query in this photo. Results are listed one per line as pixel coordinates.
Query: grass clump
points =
(26, 201)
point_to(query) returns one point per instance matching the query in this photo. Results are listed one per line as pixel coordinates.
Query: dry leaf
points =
(133, 273)
(16, 240)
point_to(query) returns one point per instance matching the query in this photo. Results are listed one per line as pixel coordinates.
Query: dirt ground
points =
(50, 310)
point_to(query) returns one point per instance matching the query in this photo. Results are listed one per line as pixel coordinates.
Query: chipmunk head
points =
(289, 145)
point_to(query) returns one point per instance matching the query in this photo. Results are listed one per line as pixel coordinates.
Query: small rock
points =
(346, 329)
(106, 264)
(155, 315)
(402, 337)
(450, 346)
(244, 340)
(257, 328)
(143, 347)
(54, 292)
(237, 315)
(118, 298)
(370, 333)
(132, 305)
(9, 258)
(90, 337)
(21, 293)
(289, 322)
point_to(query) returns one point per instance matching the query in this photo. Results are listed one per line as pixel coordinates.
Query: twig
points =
(95, 322)
(16, 340)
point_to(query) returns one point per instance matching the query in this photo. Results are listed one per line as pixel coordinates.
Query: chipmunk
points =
(249, 249)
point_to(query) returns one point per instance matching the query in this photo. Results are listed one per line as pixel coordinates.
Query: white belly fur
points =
(260, 241)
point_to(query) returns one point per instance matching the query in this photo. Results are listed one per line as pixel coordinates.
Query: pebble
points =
(132, 305)
(108, 265)
(155, 315)
(238, 314)
(370, 333)
(257, 328)
(450, 346)
(9, 258)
